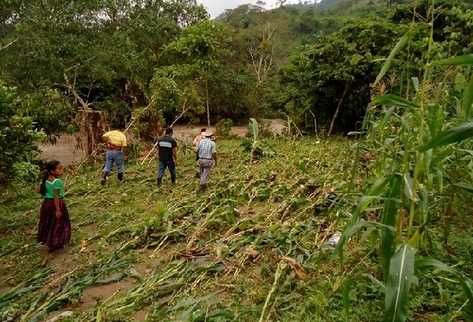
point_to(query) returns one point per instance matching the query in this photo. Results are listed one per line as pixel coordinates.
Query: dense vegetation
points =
(121, 57)
(398, 74)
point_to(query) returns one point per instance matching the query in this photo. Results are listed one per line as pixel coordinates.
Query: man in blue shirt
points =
(167, 148)
(207, 153)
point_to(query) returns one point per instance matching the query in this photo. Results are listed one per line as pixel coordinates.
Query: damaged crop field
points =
(347, 198)
(257, 246)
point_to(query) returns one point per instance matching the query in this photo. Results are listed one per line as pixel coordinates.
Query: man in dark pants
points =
(167, 147)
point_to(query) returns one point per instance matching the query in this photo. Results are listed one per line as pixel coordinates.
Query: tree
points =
(95, 53)
(332, 77)
(201, 50)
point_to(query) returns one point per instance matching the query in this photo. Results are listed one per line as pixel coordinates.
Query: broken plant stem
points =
(279, 271)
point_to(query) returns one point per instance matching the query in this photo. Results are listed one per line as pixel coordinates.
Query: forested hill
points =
(311, 63)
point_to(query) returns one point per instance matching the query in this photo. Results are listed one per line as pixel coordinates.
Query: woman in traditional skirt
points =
(54, 229)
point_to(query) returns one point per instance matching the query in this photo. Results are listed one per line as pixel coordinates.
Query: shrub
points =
(224, 128)
(17, 137)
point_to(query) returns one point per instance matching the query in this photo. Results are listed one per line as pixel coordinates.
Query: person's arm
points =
(57, 205)
(214, 154)
(174, 151)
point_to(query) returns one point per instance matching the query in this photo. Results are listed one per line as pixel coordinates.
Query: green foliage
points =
(224, 128)
(318, 75)
(50, 111)
(107, 49)
(450, 136)
(401, 277)
(17, 136)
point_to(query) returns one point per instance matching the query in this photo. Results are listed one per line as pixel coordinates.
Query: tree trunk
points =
(337, 111)
(207, 101)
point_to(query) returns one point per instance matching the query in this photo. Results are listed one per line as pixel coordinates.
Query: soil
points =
(65, 149)
(99, 293)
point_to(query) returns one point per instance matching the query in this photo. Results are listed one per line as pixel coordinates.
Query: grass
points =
(251, 248)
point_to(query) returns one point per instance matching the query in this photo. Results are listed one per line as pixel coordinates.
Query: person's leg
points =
(107, 167)
(197, 174)
(172, 170)
(205, 167)
(120, 162)
(161, 169)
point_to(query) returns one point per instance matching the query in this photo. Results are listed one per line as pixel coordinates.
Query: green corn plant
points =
(412, 138)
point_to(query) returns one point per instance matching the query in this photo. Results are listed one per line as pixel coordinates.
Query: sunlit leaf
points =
(401, 277)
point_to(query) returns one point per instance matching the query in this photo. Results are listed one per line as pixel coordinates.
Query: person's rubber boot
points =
(160, 182)
(202, 188)
(103, 181)
(120, 177)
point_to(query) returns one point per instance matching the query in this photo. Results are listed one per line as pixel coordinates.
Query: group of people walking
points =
(206, 156)
(54, 228)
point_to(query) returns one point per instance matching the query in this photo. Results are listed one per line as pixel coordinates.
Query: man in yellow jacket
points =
(116, 142)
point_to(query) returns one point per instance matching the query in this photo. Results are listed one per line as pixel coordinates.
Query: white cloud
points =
(216, 7)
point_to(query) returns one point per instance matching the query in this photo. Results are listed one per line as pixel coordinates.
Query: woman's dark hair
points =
(169, 131)
(203, 130)
(48, 169)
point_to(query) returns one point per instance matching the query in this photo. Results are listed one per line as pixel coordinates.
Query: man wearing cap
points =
(207, 153)
(167, 147)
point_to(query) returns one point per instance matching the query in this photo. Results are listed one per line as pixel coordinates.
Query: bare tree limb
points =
(77, 97)
(184, 111)
(337, 111)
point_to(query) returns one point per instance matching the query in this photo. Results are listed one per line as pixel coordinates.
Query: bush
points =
(224, 128)
(17, 137)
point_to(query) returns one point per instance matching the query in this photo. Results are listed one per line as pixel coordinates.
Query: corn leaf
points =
(465, 186)
(391, 207)
(389, 61)
(356, 227)
(349, 231)
(394, 100)
(453, 135)
(458, 60)
(409, 191)
(468, 99)
(401, 277)
(375, 192)
(466, 283)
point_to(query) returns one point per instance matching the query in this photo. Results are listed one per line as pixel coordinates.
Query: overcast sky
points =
(216, 7)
